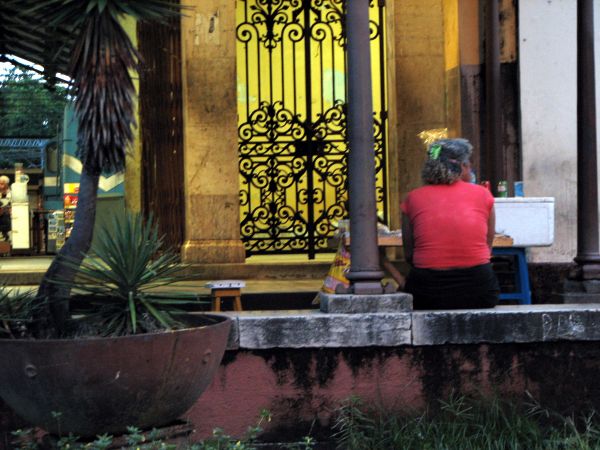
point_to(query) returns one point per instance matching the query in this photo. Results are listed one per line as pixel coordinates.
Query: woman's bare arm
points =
(491, 232)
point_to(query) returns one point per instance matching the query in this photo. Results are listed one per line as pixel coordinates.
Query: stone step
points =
(31, 271)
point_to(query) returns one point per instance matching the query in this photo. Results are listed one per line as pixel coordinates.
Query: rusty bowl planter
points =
(103, 385)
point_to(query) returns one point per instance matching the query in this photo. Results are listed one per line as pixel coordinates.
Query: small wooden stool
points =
(226, 289)
(4, 248)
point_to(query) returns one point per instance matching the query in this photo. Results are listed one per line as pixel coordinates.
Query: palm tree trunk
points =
(54, 296)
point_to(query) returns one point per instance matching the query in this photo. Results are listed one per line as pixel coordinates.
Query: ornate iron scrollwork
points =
(292, 127)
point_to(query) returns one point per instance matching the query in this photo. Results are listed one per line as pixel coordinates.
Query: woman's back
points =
(449, 225)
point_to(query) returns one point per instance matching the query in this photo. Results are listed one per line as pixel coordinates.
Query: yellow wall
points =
(468, 29)
(508, 31)
(451, 38)
(419, 102)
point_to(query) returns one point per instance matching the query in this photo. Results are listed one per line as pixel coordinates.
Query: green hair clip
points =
(434, 151)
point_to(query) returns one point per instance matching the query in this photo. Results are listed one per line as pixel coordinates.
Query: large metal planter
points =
(103, 385)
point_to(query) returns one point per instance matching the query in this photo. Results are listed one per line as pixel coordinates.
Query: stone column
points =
(365, 273)
(366, 293)
(584, 283)
(210, 133)
(494, 168)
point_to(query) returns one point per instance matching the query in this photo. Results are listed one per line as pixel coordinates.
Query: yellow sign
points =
(71, 188)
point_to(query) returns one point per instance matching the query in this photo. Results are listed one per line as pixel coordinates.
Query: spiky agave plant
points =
(16, 311)
(104, 100)
(121, 283)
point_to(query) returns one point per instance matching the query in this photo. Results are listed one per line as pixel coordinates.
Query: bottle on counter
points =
(502, 189)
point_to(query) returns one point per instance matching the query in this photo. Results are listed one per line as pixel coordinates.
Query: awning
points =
(27, 36)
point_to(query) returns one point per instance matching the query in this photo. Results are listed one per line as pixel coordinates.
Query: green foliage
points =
(464, 423)
(101, 65)
(222, 441)
(30, 107)
(75, 12)
(119, 282)
(24, 439)
(138, 440)
(16, 311)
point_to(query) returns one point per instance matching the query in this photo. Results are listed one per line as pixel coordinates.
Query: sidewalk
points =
(289, 277)
(25, 263)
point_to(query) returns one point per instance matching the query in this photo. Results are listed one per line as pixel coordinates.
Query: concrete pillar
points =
(210, 133)
(133, 162)
(494, 161)
(463, 50)
(417, 59)
(463, 71)
(583, 285)
(365, 274)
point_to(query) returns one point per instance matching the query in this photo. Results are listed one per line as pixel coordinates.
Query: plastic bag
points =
(337, 272)
(430, 136)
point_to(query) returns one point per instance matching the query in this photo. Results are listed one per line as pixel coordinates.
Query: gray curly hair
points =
(447, 166)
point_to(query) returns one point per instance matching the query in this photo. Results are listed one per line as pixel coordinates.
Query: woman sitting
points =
(448, 230)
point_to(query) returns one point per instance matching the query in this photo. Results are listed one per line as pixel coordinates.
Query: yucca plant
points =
(17, 308)
(119, 283)
(104, 101)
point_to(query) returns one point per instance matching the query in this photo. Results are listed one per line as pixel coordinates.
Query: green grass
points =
(464, 423)
(458, 423)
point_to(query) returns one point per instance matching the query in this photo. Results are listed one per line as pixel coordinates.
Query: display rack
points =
(71, 196)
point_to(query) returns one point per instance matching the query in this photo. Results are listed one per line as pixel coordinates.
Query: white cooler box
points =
(20, 226)
(528, 220)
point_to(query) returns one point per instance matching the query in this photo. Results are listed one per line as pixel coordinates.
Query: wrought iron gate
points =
(292, 122)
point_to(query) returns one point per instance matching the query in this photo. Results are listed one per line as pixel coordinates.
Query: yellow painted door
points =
(292, 122)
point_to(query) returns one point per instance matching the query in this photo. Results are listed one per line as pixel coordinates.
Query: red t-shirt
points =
(449, 224)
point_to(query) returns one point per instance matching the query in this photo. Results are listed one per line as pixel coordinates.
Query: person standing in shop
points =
(5, 200)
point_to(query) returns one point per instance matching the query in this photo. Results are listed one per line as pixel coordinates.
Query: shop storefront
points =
(44, 186)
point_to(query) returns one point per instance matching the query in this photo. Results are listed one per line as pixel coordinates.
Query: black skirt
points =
(473, 287)
(5, 223)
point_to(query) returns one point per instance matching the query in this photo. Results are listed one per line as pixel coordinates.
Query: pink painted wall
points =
(305, 386)
(302, 386)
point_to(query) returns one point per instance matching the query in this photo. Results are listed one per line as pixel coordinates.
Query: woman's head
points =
(4, 183)
(447, 161)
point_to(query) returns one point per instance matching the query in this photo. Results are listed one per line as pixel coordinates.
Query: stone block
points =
(213, 251)
(233, 341)
(212, 217)
(290, 329)
(362, 304)
(507, 324)
(582, 286)
(579, 297)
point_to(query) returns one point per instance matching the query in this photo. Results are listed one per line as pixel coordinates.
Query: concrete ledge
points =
(356, 304)
(507, 324)
(307, 329)
(503, 324)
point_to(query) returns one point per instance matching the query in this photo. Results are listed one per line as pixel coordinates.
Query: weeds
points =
(135, 439)
(458, 422)
(465, 423)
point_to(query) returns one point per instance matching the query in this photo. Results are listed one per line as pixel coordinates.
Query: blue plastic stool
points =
(523, 293)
